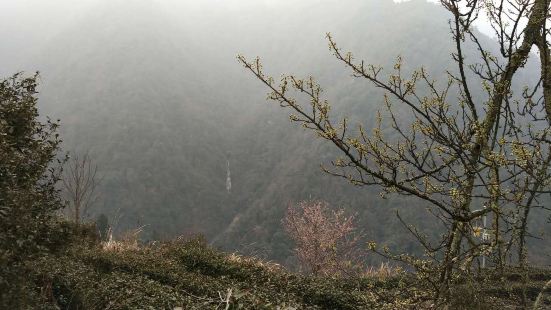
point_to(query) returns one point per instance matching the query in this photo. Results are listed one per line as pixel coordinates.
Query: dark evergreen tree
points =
(28, 194)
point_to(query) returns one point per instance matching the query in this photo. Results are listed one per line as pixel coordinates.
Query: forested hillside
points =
(153, 91)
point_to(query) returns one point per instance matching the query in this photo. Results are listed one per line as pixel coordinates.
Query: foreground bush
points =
(28, 195)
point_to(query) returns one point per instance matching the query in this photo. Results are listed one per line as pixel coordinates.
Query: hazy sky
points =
(37, 21)
(61, 11)
(482, 23)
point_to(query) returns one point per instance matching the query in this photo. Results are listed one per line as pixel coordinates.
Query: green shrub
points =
(28, 195)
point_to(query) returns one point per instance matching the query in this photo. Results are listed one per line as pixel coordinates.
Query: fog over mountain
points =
(153, 90)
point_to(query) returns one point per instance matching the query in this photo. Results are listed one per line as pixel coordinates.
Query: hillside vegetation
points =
(188, 273)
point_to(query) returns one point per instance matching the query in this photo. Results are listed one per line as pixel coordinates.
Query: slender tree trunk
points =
(450, 260)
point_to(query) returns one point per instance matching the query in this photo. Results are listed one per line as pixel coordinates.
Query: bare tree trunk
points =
(80, 182)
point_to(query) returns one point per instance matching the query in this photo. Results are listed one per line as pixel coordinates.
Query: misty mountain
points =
(153, 91)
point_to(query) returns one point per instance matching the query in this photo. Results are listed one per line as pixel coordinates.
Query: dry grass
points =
(254, 261)
(128, 241)
(384, 271)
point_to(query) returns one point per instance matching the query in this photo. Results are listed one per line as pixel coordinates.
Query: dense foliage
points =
(28, 196)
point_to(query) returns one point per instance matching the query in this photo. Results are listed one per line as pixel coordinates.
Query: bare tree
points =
(462, 156)
(327, 241)
(79, 183)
